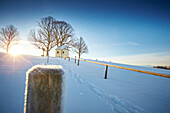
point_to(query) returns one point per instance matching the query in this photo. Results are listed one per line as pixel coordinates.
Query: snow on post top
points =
(46, 80)
(62, 47)
(57, 69)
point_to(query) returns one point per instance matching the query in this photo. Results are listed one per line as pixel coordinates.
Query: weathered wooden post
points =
(106, 71)
(78, 62)
(68, 58)
(43, 92)
(75, 60)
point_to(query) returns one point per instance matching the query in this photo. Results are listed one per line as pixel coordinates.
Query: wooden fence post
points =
(78, 62)
(36, 86)
(75, 59)
(106, 71)
(68, 58)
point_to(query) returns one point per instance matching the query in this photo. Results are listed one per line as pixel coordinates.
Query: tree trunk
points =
(43, 52)
(47, 54)
(79, 55)
(7, 48)
(47, 59)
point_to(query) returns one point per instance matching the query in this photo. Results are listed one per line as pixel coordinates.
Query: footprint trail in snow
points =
(117, 104)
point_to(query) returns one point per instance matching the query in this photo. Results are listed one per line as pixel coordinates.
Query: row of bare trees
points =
(51, 33)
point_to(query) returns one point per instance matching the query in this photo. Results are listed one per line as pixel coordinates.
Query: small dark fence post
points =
(75, 59)
(78, 62)
(68, 58)
(106, 71)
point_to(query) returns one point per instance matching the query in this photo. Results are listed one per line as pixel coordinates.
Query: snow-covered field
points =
(86, 90)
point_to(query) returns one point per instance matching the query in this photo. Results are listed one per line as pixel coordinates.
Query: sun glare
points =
(14, 53)
(16, 50)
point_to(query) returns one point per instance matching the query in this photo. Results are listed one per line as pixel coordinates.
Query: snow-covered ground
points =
(86, 90)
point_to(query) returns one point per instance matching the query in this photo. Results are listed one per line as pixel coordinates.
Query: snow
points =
(62, 47)
(86, 90)
(56, 68)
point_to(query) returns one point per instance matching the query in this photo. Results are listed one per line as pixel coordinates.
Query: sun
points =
(14, 53)
(24, 47)
(15, 50)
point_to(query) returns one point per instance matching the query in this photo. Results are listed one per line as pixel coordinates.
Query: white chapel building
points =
(62, 51)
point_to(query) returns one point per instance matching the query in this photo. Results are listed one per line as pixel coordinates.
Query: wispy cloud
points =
(133, 43)
(117, 44)
(161, 58)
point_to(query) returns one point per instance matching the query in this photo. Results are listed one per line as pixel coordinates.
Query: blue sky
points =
(112, 29)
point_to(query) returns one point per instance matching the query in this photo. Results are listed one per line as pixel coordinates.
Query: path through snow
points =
(86, 90)
(116, 103)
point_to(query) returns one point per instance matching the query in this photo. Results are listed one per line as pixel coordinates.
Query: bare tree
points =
(51, 33)
(63, 33)
(44, 38)
(80, 47)
(35, 40)
(8, 37)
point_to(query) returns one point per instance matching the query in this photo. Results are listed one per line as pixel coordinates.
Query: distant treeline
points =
(162, 67)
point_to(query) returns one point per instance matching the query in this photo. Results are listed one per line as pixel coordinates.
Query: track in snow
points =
(116, 104)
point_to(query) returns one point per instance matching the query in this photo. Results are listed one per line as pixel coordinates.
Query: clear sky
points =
(126, 31)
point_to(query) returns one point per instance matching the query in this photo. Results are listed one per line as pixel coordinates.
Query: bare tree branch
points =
(44, 39)
(63, 33)
(80, 47)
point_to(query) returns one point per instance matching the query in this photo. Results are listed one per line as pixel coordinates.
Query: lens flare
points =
(15, 50)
